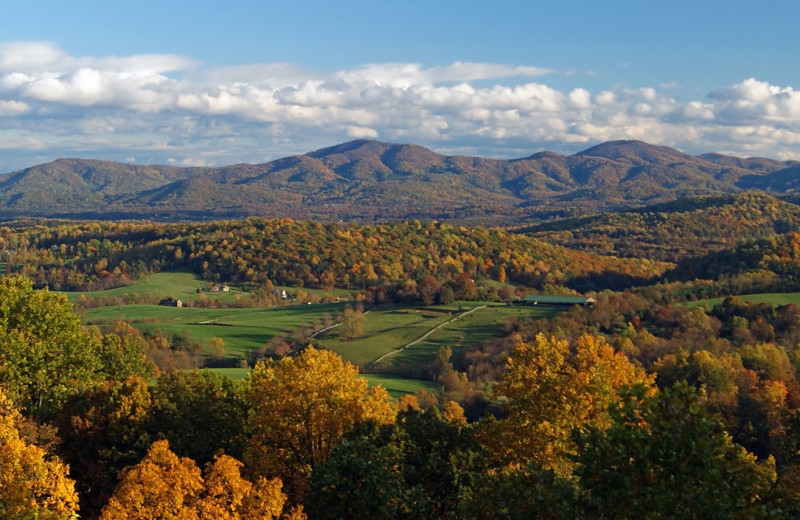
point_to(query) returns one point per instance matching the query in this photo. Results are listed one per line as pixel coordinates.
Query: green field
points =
(392, 336)
(387, 329)
(776, 299)
(242, 329)
(399, 386)
(181, 285)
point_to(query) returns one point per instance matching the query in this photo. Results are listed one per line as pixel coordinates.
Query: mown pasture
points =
(242, 330)
(776, 299)
(463, 324)
(393, 335)
(386, 329)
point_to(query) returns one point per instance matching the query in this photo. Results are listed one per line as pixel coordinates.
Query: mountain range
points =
(376, 181)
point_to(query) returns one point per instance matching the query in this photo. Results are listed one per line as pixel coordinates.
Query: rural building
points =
(171, 302)
(541, 299)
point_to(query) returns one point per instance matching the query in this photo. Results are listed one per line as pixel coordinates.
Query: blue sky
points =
(205, 83)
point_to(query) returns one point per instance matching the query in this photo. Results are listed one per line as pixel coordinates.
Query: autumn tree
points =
(32, 485)
(217, 346)
(228, 496)
(551, 390)
(163, 485)
(301, 407)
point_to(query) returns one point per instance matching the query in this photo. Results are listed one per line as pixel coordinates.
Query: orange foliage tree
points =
(163, 485)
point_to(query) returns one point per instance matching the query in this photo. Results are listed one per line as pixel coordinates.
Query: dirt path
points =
(448, 322)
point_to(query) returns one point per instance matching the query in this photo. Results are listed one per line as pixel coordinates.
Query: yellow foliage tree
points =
(550, 391)
(228, 496)
(31, 486)
(302, 406)
(165, 486)
(453, 412)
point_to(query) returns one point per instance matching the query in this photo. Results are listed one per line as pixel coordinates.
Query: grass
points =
(384, 330)
(387, 329)
(469, 330)
(399, 386)
(776, 299)
(181, 285)
(237, 374)
(242, 329)
(185, 285)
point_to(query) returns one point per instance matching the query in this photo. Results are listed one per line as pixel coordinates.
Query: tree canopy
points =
(32, 485)
(301, 407)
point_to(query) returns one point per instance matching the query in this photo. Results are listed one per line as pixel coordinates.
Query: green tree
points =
(122, 356)
(200, 413)
(422, 466)
(527, 493)
(46, 354)
(664, 456)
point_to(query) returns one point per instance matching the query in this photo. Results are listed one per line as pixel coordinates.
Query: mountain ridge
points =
(371, 180)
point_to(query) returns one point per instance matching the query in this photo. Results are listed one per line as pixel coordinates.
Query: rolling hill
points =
(376, 181)
(674, 231)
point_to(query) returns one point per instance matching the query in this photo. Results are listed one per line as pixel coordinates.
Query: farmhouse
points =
(171, 302)
(541, 299)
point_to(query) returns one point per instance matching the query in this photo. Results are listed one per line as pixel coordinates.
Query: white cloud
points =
(260, 111)
(361, 132)
(13, 108)
(29, 56)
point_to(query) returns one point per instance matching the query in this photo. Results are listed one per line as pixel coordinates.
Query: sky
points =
(205, 83)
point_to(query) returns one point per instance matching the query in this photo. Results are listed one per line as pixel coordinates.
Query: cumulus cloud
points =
(9, 108)
(142, 105)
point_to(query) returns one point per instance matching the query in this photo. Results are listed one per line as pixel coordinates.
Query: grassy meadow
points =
(776, 299)
(242, 329)
(393, 335)
(388, 329)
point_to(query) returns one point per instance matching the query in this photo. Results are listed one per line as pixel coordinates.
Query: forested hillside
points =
(372, 181)
(257, 251)
(675, 230)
